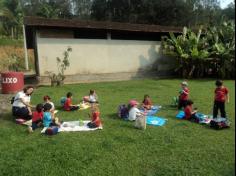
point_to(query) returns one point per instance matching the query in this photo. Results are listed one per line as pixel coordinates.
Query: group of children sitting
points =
(44, 115)
(134, 111)
(184, 104)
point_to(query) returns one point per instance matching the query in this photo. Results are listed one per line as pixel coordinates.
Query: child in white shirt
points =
(134, 112)
(93, 98)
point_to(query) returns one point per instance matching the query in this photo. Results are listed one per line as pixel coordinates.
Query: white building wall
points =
(91, 56)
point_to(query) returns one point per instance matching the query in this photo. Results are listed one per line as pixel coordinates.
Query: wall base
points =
(89, 78)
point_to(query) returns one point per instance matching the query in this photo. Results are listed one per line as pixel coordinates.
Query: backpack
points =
(13, 100)
(63, 100)
(51, 130)
(123, 111)
(219, 123)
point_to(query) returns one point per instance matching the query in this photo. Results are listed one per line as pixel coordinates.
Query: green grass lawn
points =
(178, 148)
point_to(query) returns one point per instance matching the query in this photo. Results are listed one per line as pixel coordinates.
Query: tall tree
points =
(99, 10)
(82, 8)
(168, 12)
(47, 8)
(12, 17)
(55, 9)
(229, 12)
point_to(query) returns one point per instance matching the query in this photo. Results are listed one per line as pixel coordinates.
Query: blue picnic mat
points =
(152, 111)
(203, 118)
(156, 121)
(180, 115)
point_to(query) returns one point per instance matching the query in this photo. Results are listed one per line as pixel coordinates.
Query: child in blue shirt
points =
(48, 117)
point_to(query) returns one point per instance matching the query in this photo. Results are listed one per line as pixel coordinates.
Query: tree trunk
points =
(191, 71)
(12, 32)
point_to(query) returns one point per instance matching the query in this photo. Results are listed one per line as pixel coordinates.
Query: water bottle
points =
(81, 123)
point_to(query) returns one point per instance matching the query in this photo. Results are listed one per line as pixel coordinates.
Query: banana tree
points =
(222, 42)
(190, 49)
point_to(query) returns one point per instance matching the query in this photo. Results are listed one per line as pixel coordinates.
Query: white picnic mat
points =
(76, 126)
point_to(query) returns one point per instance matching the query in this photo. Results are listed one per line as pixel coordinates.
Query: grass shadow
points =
(169, 107)
(7, 116)
(127, 124)
(59, 108)
(207, 126)
(114, 116)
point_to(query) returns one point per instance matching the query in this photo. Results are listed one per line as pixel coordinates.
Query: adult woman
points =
(21, 107)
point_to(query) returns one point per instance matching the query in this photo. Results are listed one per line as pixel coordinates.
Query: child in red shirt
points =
(221, 95)
(37, 118)
(68, 106)
(147, 103)
(183, 95)
(190, 114)
(95, 119)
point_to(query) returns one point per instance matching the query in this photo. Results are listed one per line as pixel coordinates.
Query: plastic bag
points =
(140, 122)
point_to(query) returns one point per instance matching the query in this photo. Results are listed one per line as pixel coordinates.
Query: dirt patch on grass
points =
(5, 105)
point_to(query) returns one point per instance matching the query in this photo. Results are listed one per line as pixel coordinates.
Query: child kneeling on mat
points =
(190, 114)
(95, 119)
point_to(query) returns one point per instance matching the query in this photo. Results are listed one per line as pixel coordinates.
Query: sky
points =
(224, 3)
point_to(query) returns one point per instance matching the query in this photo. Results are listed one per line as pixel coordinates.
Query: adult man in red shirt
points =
(221, 95)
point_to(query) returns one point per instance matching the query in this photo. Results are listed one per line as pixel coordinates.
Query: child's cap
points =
(133, 102)
(184, 83)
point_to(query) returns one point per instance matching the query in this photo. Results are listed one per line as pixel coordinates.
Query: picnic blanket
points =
(180, 115)
(201, 118)
(83, 106)
(76, 126)
(156, 121)
(204, 119)
(152, 111)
